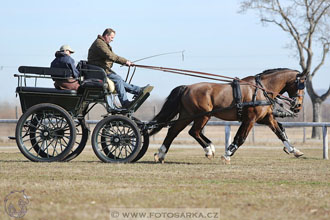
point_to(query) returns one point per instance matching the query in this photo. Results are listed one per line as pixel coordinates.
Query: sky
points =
(215, 37)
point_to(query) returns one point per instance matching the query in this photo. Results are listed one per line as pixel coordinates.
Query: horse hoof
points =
(158, 159)
(225, 160)
(209, 156)
(297, 153)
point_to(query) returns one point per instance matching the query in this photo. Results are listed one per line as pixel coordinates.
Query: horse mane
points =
(269, 71)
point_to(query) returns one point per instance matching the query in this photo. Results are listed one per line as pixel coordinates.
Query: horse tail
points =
(169, 110)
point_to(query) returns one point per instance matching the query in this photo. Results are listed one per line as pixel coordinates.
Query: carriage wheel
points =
(145, 139)
(144, 148)
(82, 133)
(116, 139)
(45, 133)
(144, 142)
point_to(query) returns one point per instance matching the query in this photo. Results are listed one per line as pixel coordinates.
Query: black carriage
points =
(53, 126)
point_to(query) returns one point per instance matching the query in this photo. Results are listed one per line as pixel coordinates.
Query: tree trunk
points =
(317, 117)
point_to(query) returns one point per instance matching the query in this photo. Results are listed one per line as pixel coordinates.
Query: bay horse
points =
(198, 102)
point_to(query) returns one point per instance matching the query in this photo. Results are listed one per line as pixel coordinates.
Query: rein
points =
(236, 90)
(192, 73)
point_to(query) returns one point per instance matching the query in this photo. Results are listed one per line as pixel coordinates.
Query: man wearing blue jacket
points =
(63, 60)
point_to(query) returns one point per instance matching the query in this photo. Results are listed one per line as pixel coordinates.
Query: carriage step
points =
(140, 98)
(12, 137)
(138, 101)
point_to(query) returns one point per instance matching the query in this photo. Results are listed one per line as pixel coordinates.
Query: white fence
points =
(228, 125)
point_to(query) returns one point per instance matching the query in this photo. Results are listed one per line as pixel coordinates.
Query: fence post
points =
(325, 143)
(228, 136)
(304, 128)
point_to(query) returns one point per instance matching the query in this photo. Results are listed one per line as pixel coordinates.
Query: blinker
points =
(301, 85)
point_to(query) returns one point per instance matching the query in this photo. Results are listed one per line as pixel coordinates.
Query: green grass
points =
(259, 184)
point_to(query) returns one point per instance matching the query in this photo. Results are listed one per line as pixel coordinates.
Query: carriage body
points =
(53, 126)
(70, 100)
(73, 101)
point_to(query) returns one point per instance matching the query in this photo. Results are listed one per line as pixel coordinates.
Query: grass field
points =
(261, 183)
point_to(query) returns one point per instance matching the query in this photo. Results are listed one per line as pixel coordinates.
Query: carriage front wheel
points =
(116, 139)
(82, 133)
(45, 133)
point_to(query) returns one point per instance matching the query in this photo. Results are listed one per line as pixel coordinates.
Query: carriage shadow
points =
(15, 161)
(100, 162)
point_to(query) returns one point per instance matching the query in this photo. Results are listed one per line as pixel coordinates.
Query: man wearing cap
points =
(100, 54)
(63, 60)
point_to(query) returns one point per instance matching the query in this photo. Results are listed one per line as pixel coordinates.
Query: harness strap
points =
(256, 103)
(258, 82)
(237, 97)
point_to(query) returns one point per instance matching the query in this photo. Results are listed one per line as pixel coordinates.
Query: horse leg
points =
(196, 133)
(279, 130)
(172, 132)
(239, 139)
(209, 142)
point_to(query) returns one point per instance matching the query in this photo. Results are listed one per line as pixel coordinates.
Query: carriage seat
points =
(45, 90)
(89, 72)
(61, 73)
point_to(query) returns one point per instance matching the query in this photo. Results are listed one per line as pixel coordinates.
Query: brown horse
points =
(252, 102)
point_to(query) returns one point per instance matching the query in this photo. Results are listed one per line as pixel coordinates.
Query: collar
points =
(101, 38)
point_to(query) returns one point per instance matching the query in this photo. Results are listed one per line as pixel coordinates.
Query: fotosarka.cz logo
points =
(16, 204)
(164, 213)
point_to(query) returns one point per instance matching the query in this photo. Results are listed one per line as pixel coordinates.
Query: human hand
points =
(129, 63)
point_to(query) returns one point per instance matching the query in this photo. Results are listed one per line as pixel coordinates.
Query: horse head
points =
(296, 90)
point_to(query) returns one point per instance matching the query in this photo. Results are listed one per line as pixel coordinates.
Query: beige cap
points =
(66, 47)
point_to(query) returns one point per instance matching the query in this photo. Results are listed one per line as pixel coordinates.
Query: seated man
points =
(63, 60)
(100, 54)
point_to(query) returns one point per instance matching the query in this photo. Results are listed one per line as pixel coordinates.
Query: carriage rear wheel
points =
(116, 139)
(82, 133)
(45, 133)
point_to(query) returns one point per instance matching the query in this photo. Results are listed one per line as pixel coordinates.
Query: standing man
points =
(63, 60)
(100, 54)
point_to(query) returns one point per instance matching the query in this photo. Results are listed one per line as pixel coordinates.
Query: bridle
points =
(300, 83)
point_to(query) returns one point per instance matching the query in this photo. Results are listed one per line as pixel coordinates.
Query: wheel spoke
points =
(56, 141)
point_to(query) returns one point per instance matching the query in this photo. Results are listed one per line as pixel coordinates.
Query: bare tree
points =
(307, 23)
